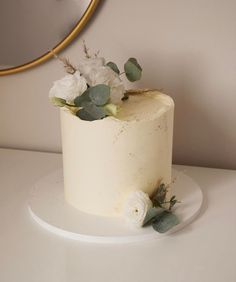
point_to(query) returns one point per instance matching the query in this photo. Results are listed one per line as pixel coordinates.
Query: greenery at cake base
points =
(141, 210)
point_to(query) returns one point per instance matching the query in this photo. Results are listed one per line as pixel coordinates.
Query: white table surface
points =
(205, 251)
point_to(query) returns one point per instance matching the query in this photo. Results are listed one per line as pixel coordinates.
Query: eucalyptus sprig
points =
(132, 69)
(94, 103)
(161, 216)
(159, 198)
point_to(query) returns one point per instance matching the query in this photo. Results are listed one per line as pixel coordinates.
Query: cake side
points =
(106, 159)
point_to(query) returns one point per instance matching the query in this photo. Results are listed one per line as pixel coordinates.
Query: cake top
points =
(95, 90)
(146, 106)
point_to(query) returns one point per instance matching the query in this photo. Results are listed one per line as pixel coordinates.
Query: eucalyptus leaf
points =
(164, 222)
(114, 67)
(99, 94)
(84, 115)
(172, 198)
(91, 112)
(151, 214)
(133, 70)
(84, 98)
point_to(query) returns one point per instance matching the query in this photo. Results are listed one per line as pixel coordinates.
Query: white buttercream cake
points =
(104, 160)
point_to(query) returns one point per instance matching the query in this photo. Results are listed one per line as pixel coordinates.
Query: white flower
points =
(95, 72)
(136, 207)
(105, 75)
(69, 87)
(88, 64)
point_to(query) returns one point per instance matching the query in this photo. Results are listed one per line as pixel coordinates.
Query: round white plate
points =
(48, 208)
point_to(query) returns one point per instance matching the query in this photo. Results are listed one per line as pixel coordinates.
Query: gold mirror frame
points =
(79, 26)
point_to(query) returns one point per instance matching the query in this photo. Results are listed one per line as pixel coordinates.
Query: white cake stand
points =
(48, 208)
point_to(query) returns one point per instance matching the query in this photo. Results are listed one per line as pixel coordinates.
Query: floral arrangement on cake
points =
(94, 90)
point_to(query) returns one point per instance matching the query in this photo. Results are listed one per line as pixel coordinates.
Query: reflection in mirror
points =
(30, 28)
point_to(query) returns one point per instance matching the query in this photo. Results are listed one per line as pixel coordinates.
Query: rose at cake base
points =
(106, 160)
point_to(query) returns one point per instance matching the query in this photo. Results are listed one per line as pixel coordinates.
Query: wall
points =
(186, 47)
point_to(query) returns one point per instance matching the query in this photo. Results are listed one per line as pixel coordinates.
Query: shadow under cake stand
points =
(49, 209)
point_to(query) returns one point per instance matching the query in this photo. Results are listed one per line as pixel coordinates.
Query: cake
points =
(104, 160)
(116, 143)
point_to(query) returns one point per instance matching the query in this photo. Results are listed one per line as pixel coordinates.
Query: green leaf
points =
(114, 67)
(58, 101)
(84, 115)
(160, 196)
(151, 214)
(110, 109)
(164, 222)
(91, 112)
(172, 198)
(99, 94)
(84, 98)
(133, 70)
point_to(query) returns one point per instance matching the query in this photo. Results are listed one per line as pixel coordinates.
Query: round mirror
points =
(30, 29)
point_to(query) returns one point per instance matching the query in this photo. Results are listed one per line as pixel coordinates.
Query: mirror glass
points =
(31, 28)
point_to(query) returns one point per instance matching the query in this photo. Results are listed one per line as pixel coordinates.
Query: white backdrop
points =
(186, 47)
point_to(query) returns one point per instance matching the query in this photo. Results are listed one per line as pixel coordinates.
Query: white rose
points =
(105, 75)
(136, 207)
(69, 87)
(88, 64)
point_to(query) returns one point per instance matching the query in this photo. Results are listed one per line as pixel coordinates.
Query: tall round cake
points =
(105, 160)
